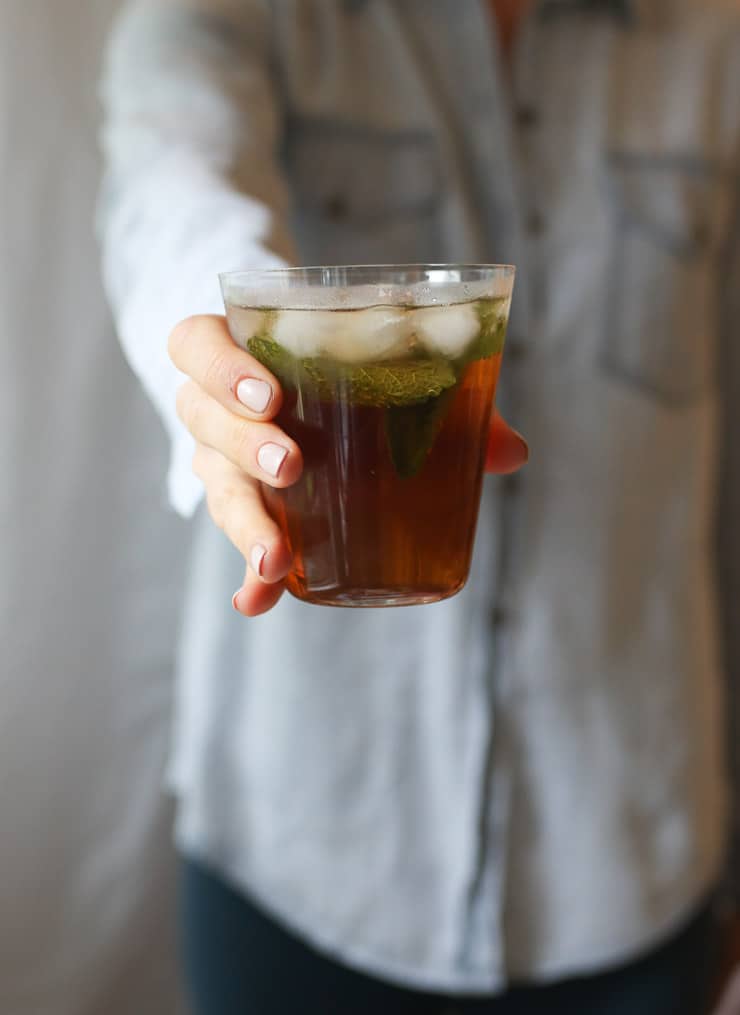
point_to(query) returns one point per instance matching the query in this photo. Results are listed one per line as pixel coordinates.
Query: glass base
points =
(363, 597)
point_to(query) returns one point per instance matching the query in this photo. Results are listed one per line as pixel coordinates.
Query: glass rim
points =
(479, 269)
(360, 286)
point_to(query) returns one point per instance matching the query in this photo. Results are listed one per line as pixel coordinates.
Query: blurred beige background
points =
(89, 562)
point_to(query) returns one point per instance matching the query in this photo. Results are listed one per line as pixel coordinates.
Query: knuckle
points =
(221, 493)
(218, 505)
(199, 462)
(241, 441)
(182, 398)
(238, 523)
(180, 338)
(220, 371)
(188, 405)
(254, 526)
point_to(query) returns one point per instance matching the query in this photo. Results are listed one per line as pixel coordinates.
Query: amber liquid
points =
(361, 534)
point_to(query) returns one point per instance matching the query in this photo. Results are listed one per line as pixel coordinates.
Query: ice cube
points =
(302, 332)
(446, 331)
(245, 323)
(366, 336)
(348, 336)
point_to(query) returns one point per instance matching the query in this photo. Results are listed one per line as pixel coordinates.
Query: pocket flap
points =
(359, 173)
(667, 196)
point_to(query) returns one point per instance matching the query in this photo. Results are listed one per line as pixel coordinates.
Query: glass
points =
(388, 376)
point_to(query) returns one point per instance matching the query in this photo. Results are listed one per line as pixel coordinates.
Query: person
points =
(90, 565)
(514, 801)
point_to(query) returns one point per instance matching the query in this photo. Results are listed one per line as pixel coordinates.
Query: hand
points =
(507, 450)
(227, 406)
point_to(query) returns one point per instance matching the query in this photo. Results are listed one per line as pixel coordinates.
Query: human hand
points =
(228, 406)
(507, 450)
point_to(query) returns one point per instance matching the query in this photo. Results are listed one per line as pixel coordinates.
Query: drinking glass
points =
(388, 376)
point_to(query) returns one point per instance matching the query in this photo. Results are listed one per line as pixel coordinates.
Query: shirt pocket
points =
(661, 302)
(364, 194)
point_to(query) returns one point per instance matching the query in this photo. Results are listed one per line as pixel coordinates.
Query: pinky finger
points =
(255, 596)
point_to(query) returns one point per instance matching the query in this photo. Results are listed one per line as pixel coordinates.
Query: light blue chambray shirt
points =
(528, 780)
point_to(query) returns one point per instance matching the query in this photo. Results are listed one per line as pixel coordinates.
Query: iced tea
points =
(391, 406)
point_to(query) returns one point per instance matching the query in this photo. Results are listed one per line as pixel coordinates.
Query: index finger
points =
(203, 349)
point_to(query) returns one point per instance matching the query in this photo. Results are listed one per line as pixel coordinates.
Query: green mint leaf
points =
(397, 383)
(490, 338)
(411, 431)
(278, 361)
(406, 382)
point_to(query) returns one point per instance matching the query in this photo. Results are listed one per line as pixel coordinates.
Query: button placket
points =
(482, 926)
(526, 116)
(528, 126)
(491, 876)
(535, 223)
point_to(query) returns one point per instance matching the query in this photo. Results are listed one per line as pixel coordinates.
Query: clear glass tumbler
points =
(388, 375)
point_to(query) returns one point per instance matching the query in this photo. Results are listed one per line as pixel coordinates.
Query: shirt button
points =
(515, 350)
(499, 616)
(511, 484)
(336, 208)
(535, 223)
(527, 117)
(702, 234)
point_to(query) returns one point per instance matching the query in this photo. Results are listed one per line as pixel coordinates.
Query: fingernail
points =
(256, 395)
(235, 598)
(270, 457)
(257, 558)
(525, 446)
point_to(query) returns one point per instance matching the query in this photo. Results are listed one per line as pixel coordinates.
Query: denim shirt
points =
(528, 780)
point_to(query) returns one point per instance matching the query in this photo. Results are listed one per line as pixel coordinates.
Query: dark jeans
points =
(239, 962)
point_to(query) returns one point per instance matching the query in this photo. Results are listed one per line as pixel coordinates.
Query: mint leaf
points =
(278, 361)
(411, 431)
(490, 338)
(406, 382)
(394, 383)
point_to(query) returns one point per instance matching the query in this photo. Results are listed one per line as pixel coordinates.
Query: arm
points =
(193, 185)
(194, 188)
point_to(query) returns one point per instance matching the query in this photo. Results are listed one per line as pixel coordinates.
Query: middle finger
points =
(262, 450)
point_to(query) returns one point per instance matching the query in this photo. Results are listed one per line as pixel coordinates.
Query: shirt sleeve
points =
(729, 527)
(192, 187)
